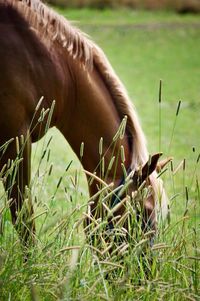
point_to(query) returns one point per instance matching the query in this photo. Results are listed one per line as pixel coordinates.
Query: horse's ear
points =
(161, 164)
(150, 166)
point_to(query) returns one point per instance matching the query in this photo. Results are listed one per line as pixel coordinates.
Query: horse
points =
(47, 62)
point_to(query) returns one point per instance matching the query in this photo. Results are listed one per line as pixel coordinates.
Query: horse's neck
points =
(92, 115)
(84, 110)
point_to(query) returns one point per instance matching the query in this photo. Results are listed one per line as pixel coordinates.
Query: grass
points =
(62, 266)
(122, 16)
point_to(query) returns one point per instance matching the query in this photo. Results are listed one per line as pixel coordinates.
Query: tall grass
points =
(64, 265)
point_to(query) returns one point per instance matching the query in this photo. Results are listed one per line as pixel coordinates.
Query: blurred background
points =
(181, 6)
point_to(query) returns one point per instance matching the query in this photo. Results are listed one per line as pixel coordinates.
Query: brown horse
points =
(43, 55)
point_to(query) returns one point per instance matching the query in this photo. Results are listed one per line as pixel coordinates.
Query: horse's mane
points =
(79, 46)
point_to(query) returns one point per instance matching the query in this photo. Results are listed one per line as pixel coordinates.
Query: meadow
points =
(144, 48)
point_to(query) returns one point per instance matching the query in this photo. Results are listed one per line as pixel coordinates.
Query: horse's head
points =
(148, 190)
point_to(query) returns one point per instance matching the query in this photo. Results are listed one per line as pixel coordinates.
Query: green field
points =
(143, 48)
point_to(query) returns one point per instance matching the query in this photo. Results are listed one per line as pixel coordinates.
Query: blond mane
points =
(43, 19)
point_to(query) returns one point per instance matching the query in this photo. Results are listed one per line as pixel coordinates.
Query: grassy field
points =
(143, 48)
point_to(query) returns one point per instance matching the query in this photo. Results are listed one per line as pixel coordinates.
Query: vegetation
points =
(143, 48)
(182, 6)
